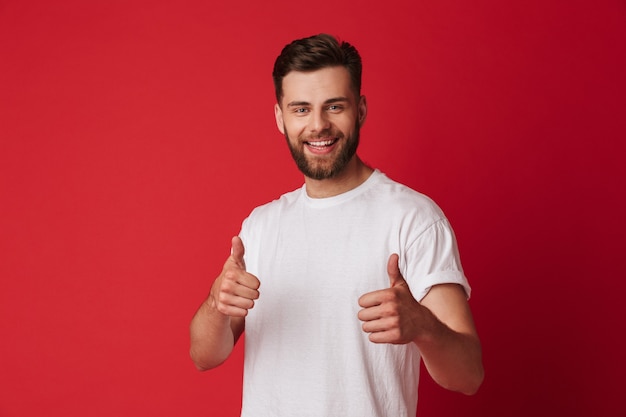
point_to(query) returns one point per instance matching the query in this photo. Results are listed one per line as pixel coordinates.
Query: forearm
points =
(453, 359)
(220, 320)
(448, 340)
(211, 336)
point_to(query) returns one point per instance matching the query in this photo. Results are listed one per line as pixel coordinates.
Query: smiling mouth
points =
(321, 144)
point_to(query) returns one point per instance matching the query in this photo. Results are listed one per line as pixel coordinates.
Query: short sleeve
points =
(432, 259)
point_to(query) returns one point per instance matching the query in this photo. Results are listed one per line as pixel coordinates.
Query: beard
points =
(321, 168)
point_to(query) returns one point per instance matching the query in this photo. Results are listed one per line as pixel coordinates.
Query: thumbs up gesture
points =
(391, 315)
(235, 290)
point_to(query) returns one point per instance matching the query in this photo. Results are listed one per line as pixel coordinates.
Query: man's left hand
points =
(392, 315)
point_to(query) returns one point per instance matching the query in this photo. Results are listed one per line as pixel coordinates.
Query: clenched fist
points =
(235, 290)
(392, 315)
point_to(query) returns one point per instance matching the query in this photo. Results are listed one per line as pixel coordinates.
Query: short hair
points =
(317, 52)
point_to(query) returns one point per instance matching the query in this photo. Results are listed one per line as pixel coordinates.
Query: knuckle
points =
(389, 310)
(222, 298)
(230, 275)
(393, 335)
(225, 288)
(222, 309)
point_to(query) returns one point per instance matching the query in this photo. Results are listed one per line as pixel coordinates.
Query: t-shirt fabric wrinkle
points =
(305, 351)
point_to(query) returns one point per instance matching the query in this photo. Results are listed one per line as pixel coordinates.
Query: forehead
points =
(317, 86)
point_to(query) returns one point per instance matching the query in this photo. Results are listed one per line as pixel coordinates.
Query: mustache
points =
(326, 133)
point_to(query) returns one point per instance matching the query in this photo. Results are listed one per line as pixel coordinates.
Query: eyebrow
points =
(306, 103)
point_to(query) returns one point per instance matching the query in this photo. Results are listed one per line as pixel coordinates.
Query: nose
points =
(318, 121)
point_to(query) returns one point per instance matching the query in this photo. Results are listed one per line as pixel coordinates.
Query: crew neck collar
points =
(340, 198)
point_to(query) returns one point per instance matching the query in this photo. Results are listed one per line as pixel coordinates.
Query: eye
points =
(335, 108)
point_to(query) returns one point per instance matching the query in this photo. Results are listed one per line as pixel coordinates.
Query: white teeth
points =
(322, 143)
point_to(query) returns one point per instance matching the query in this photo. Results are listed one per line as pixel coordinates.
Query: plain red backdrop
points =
(136, 135)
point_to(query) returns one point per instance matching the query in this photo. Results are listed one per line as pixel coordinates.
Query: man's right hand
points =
(235, 290)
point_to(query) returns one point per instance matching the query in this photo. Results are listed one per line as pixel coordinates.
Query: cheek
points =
(347, 126)
(293, 128)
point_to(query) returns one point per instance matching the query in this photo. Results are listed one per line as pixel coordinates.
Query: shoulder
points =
(272, 210)
(401, 199)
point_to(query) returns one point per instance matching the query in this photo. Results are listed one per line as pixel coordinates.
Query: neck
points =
(354, 174)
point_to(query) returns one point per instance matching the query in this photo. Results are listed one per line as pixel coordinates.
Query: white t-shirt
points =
(305, 351)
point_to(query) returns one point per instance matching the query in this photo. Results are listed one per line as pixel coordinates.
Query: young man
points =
(344, 285)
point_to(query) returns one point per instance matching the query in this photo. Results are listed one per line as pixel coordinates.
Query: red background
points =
(135, 137)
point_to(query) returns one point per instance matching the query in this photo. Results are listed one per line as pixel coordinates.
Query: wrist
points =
(211, 308)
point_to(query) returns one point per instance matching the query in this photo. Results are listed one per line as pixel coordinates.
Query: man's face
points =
(320, 116)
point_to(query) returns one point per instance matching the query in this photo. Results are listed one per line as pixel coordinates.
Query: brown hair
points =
(317, 52)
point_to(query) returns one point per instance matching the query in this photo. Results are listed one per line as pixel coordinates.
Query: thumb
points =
(237, 251)
(393, 270)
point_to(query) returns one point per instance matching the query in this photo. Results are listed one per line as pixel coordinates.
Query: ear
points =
(278, 114)
(362, 110)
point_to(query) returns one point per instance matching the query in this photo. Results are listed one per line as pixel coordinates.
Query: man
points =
(345, 284)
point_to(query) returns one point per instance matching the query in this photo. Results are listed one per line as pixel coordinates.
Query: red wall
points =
(135, 137)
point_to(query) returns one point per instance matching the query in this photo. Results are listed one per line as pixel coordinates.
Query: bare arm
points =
(450, 346)
(441, 326)
(212, 335)
(220, 320)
